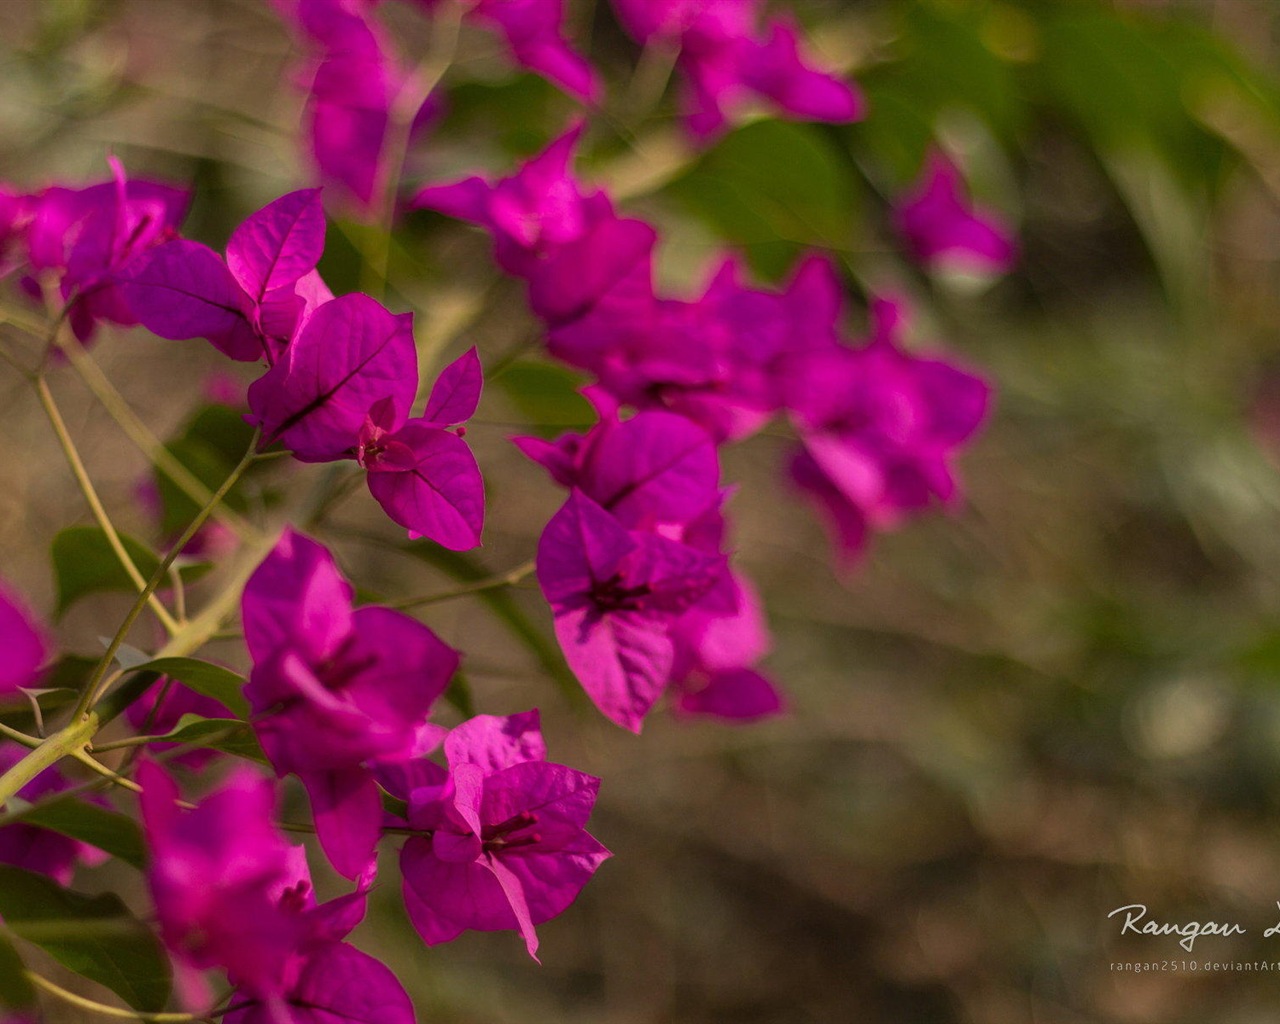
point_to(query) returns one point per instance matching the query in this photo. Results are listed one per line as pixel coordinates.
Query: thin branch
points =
(506, 579)
(93, 690)
(146, 596)
(111, 1011)
(143, 438)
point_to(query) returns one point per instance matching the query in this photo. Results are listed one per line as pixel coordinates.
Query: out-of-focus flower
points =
(728, 58)
(945, 231)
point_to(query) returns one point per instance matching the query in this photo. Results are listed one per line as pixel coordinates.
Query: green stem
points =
(61, 744)
(143, 439)
(146, 597)
(111, 1011)
(91, 692)
(506, 579)
(413, 94)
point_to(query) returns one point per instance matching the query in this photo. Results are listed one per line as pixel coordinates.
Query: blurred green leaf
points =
(506, 610)
(230, 735)
(208, 466)
(108, 830)
(773, 188)
(84, 563)
(459, 696)
(942, 61)
(214, 681)
(547, 396)
(95, 936)
(16, 992)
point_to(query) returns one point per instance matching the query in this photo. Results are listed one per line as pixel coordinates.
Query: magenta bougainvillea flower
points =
(90, 236)
(424, 476)
(213, 875)
(531, 213)
(878, 428)
(534, 35)
(717, 360)
(336, 689)
(250, 306)
(350, 355)
(945, 231)
(728, 58)
(652, 470)
(38, 849)
(714, 671)
(352, 78)
(615, 595)
(24, 648)
(506, 846)
(230, 892)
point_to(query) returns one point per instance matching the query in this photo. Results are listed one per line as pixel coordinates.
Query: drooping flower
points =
(35, 848)
(230, 892)
(531, 213)
(251, 306)
(615, 595)
(945, 231)
(728, 57)
(507, 847)
(714, 673)
(336, 689)
(90, 236)
(878, 428)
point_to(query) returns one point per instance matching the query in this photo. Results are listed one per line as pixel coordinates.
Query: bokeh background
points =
(1006, 722)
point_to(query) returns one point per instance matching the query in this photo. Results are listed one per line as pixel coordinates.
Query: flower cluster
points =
(728, 57)
(87, 239)
(342, 373)
(356, 86)
(633, 565)
(636, 565)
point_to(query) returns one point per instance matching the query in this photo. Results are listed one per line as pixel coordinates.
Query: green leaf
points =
(95, 936)
(547, 396)
(230, 735)
(774, 188)
(506, 609)
(459, 696)
(206, 464)
(84, 563)
(16, 992)
(108, 830)
(214, 681)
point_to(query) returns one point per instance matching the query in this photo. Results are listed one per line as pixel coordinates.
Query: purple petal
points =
(350, 354)
(513, 890)
(183, 290)
(562, 799)
(296, 598)
(467, 200)
(573, 279)
(741, 694)
(435, 489)
(23, 647)
(623, 660)
(348, 817)
(407, 668)
(445, 898)
(580, 546)
(495, 742)
(337, 984)
(456, 392)
(655, 467)
(277, 245)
